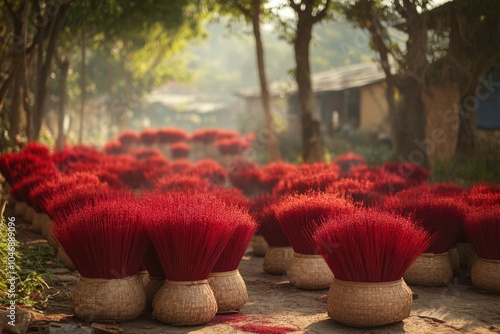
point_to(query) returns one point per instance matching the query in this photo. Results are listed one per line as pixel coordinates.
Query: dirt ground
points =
(277, 307)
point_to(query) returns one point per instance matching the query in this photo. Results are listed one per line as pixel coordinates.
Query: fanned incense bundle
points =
(370, 245)
(182, 182)
(156, 274)
(315, 177)
(232, 146)
(114, 147)
(361, 192)
(149, 137)
(272, 174)
(483, 230)
(189, 232)
(368, 252)
(107, 244)
(180, 150)
(129, 138)
(441, 216)
(279, 252)
(348, 160)
(245, 176)
(171, 135)
(300, 216)
(210, 170)
(225, 280)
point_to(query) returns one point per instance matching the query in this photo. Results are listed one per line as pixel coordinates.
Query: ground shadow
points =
(331, 326)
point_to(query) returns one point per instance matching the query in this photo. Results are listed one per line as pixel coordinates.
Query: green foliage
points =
(225, 61)
(465, 171)
(30, 273)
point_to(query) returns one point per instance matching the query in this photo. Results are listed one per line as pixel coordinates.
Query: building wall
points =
(374, 112)
(441, 115)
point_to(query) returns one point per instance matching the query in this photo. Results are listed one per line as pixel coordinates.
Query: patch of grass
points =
(465, 172)
(29, 272)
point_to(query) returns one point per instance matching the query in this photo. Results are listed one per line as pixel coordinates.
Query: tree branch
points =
(9, 8)
(7, 83)
(400, 9)
(294, 6)
(245, 11)
(322, 14)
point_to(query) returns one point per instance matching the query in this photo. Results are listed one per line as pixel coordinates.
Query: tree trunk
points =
(18, 71)
(465, 48)
(411, 124)
(467, 142)
(7, 84)
(111, 100)
(43, 75)
(376, 30)
(272, 144)
(61, 138)
(312, 145)
(83, 88)
(16, 107)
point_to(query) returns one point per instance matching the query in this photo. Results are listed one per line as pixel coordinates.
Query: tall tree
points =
(406, 69)
(47, 48)
(83, 85)
(32, 32)
(456, 42)
(252, 10)
(63, 65)
(473, 53)
(309, 12)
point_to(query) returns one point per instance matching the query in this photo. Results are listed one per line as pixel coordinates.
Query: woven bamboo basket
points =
(277, 260)
(430, 270)
(29, 213)
(229, 290)
(360, 304)
(37, 221)
(309, 272)
(485, 274)
(45, 225)
(64, 258)
(454, 259)
(152, 288)
(20, 208)
(108, 300)
(259, 245)
(143, 276)
(51, 240)
(467, 254)
(185, 303)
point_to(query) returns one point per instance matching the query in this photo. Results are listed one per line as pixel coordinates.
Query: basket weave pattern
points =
(108, 300)
(485, 274)
(152, 287)
(467, 254)
(45, 225)
(277, 260)
(229, 290)
(430, 270)
(454, 259)
(20, 208)
(185, 303)
(369, 304)
(29, 213)
(143, 276)
(259, 245)
(37, 222)
(309, 272)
